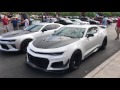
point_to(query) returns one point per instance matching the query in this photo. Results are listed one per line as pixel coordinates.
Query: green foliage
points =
(74, 14)
(90, 14)
(115, 13)
(108, 14)
(65, 13)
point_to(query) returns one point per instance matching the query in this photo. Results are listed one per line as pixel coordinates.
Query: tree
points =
(108, 14)
(74, 13)
(83, 13)
(90, 14)
(115, 13)
(65, 13)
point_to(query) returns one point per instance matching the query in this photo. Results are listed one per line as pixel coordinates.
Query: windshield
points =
(73, 32)
(34, 28)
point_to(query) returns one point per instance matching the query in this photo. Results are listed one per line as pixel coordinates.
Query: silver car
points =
(18, 40)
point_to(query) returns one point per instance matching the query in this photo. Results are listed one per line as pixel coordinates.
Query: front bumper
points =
(49, 62)
(8, 46)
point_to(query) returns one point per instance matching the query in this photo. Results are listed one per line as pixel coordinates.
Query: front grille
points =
(40, 62)
(4, 46)
(13, 45)
(57, 64)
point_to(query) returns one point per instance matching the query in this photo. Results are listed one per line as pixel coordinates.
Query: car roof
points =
(75, 19)
(45, 23)
(81, 26)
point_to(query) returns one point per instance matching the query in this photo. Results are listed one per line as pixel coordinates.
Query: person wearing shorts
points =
(118, 29)
(5, 23)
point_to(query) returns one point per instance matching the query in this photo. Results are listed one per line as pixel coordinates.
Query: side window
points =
(56, 26)
(92, 30)
(48, 27)
(53, 26)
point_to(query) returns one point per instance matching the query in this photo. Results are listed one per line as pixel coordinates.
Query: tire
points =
(75, 60)
(104, 44)
(24, 45)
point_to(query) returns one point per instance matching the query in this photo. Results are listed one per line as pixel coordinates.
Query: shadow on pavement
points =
(10, 53)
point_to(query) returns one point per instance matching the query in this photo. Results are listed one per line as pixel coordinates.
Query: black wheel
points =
(24, 45)
(75, 60)
(104, 44)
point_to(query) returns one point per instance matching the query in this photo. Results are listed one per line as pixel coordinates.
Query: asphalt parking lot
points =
(12, 65)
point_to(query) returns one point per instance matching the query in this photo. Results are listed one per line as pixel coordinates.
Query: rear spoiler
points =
(102, 26)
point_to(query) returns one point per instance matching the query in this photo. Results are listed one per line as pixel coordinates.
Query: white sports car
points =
(18, 40)
(80, 22)
(66, 47)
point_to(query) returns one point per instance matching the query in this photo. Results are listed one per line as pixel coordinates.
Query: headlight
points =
(8, 40)
(11, 40)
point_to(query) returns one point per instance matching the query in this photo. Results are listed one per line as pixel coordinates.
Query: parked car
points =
(100, 19)
(80, 22)
(18, 40)
(64, 21)
(66, 48)
(53, 20)
(36, 21)
(87, 19)
(115, 20)
(110, 21)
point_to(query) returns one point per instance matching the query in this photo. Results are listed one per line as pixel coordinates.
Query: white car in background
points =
(18, 40)
(66, 48)
(78, 21)
(36, 21)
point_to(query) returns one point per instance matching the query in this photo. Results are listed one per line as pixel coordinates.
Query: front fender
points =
(73, 47)
(20, 40)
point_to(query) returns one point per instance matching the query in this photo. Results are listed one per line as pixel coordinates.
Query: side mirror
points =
(89, 35)
(44, 30)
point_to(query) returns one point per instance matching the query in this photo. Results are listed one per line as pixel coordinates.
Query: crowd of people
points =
(20, 22)
(117, 27)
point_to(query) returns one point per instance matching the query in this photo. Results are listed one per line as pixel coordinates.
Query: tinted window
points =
(53, 26)
(56, 26)
(73, 20)
(83, 19)
(34, 28)
(92, 30)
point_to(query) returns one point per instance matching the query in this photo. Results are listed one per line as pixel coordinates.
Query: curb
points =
(101, 66)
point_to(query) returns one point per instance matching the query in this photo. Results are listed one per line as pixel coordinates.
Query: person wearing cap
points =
(15, 23)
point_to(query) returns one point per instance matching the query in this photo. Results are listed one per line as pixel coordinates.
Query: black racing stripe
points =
(43, 43)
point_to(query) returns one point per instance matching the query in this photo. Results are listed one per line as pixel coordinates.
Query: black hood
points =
(16, 33)
(53, 42)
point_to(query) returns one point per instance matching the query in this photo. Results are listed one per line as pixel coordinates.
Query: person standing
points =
(117, 29)
(104, 21)
(26, 23)
(5, 23)
(15, 23)
(22, 23)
